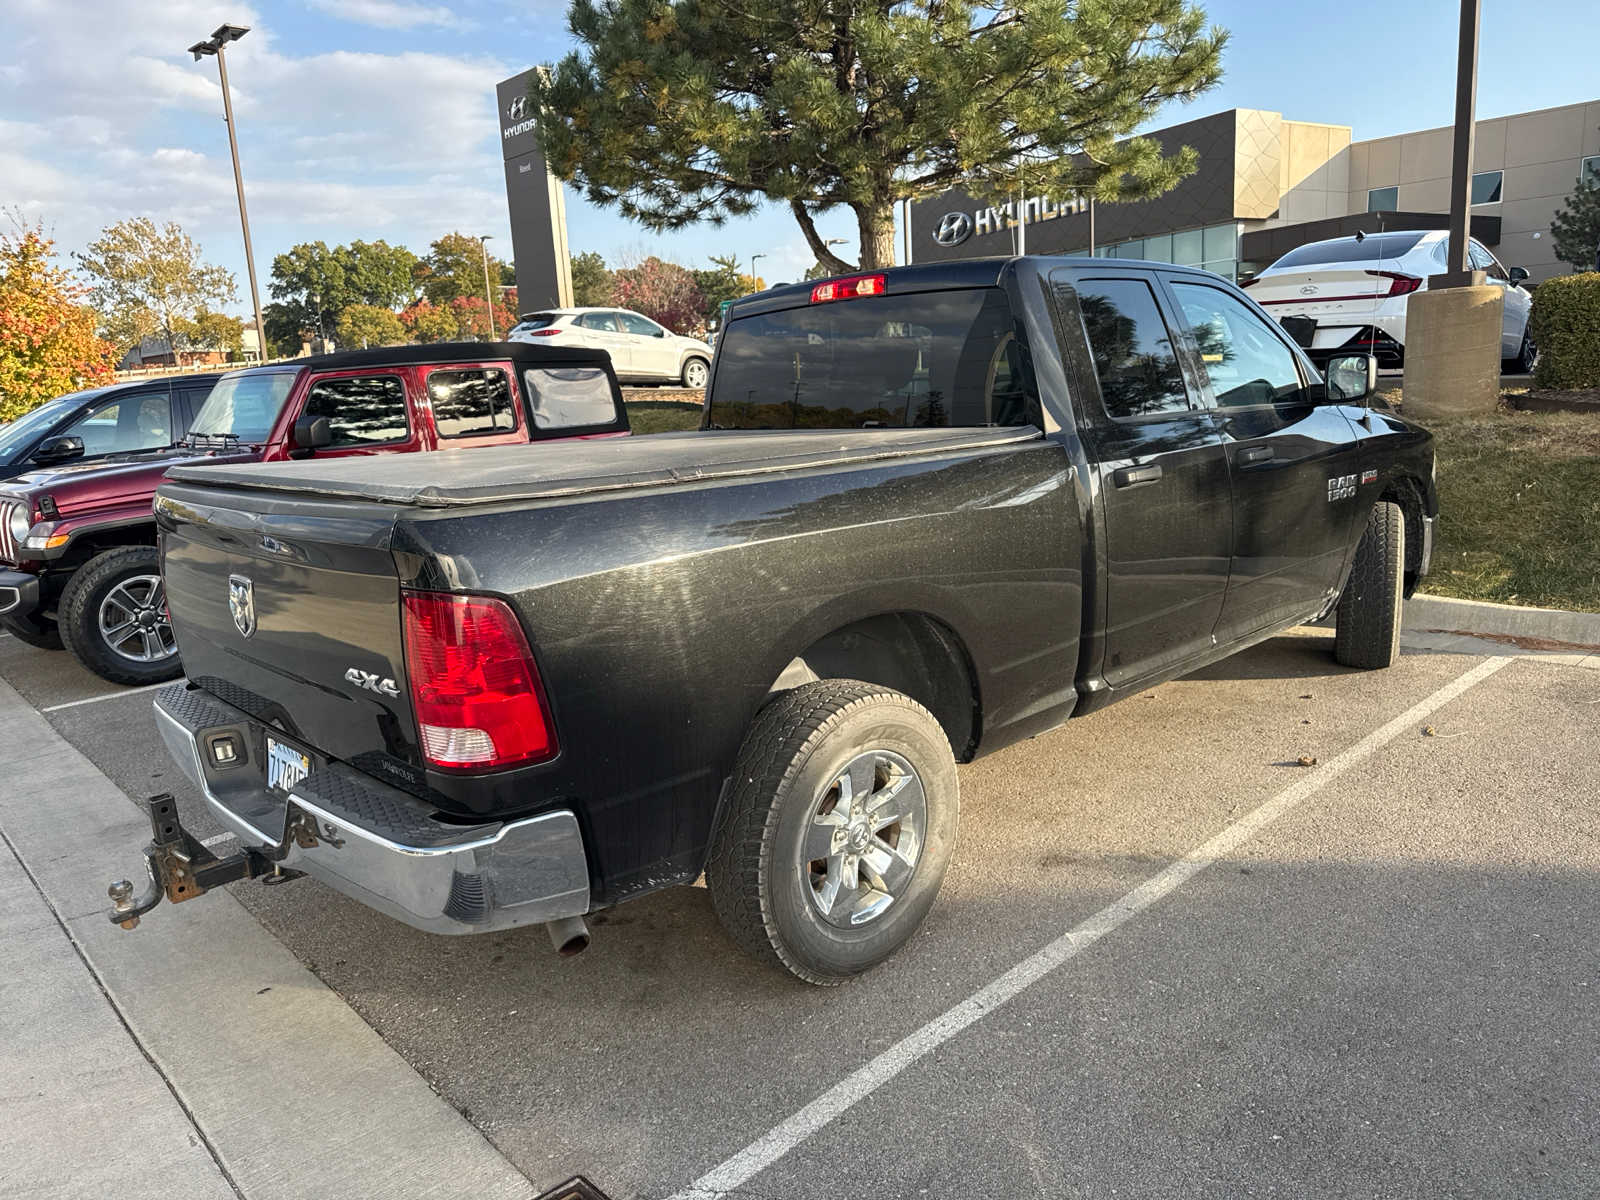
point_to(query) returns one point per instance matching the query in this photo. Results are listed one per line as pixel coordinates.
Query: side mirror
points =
(1352, 378)
(312, 433)
(1518, 274)
(58, 449)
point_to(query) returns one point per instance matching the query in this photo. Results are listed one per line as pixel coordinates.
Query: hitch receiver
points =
(180, 868)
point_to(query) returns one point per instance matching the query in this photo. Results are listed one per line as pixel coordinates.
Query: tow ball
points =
(180, 868)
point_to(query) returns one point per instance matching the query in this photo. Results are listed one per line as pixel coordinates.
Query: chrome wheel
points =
(863, 838)
(695, 373)
(134, 621)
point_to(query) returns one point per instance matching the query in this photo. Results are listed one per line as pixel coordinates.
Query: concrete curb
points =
(296, 1096)
(1444, 614)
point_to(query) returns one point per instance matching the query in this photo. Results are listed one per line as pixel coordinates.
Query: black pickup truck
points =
(931, 512)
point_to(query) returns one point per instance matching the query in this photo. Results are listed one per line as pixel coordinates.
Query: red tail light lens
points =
(548, 331)
(480, 705)
(1399, 285)
(846, 289)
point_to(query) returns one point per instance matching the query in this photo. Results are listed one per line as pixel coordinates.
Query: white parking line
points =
(149, 687)
(723, 1180)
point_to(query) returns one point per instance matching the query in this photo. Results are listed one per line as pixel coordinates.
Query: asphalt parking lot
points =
(1169, 959)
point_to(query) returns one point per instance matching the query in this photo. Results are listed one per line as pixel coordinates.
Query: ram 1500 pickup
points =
(932, 511)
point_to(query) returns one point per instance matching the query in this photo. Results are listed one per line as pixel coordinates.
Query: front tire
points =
(1523, 363)
(39, 632)
(696, 373)
(1368, 631)
(840, 821)
(113, 617)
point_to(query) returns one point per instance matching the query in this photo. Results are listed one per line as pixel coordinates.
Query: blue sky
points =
(375, 118)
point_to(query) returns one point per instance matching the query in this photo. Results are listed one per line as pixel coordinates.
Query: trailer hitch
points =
(181, 868)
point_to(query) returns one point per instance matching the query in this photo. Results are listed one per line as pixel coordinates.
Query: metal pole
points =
(753, 258)
(488, 296)
(244, 217)
(1459, 272)
(1091, 226)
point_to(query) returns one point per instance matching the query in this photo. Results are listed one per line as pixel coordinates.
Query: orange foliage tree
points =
(48, 345)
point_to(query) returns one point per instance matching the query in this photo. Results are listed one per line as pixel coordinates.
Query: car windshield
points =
(16, 436)
(243, 406)
(1349, 250)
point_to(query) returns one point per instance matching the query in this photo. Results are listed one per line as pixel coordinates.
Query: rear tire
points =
(1523, 363)
(822, 767)
(39, 632)
(696, 373)
(1368, 634)
(116, 589)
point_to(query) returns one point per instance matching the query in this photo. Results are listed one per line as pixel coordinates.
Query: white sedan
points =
(1349, 294)
(641, 350)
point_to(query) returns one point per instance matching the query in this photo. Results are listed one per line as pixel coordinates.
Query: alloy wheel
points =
(134, 621)
(862, 839)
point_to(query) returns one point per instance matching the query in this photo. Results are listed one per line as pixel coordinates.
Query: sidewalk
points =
(194, 1056)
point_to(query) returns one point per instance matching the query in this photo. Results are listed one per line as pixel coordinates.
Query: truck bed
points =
(452, 478)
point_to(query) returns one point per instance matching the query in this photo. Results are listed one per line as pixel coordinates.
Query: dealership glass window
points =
(569, 397)
(1105, 251)
(1486, 187)
(1158, 249)
(1589, 170)
(1130, 249)
(1132, 348)
(1245, 361)
(1188, 247)
(1383, 199)
(362, 410)
(471, 403)
(1221, 243)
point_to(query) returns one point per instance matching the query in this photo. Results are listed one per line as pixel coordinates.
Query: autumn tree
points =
(591, 281)
(1576, 228)
(208, 330)
(662, 291)
(427, 322)
(48, 345)
(471, 315)
(150, 279)
(453, 267)
(363, 325)
(678, 111)
(314, 285)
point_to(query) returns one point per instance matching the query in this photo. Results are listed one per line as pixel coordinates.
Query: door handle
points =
(1133, 476)
(1254, 454)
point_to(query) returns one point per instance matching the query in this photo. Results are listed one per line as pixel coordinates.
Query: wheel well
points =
(909, 652)
(85, 546)
(1407, 493)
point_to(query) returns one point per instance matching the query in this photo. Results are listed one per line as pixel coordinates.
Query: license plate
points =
(286, 766)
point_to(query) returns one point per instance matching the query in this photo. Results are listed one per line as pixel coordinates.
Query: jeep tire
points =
(839, 821)
(113, 617)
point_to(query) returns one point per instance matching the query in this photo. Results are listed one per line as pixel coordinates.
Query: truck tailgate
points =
(290, 610)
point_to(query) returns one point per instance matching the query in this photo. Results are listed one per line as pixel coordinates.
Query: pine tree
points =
(1576, 228)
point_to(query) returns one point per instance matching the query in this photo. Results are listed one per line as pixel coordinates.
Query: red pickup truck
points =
(78, 565)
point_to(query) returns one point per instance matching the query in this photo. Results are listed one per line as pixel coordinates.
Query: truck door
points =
(1293, 462)
(1161, 472)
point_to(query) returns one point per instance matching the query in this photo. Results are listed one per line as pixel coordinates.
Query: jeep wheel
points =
(113, 616)
(695, 373)
(1368, 632)
(38, 632)
(839, 823)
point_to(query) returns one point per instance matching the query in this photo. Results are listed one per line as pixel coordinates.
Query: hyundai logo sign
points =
(518, 108)
(954, 228)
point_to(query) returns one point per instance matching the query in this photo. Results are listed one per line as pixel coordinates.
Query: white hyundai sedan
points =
(641, 351)
(1349, 294)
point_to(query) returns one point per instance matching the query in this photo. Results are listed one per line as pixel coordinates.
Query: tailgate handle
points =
(1254, 454)
(1134, 476)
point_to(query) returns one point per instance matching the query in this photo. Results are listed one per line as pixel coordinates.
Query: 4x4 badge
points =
(242, 604)
(370, 681)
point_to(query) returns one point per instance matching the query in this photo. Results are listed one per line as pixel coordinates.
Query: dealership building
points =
(1265, 185)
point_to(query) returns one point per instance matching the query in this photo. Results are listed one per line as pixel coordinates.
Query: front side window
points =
(569, 397)
(20, 434)
(139, 422)
(1486, 187)
(244, 406)
(1245, 361)
(362, 410)
(1131, 347)
(472, 402)
(640, 326)
(1383, 200)
(945, 358)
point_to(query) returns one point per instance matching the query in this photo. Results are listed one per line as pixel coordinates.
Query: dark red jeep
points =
(78, 563)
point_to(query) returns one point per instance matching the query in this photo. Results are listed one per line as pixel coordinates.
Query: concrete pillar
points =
(1453, 351)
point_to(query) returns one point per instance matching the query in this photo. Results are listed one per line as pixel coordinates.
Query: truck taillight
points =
(479, 702)
(845, 289)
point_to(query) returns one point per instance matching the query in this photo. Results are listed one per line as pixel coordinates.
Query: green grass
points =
(1519, 509)
(662, 416)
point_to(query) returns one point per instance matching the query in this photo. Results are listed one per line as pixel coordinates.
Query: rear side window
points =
(1131, 347)
(470, 403)
(569, 397)
(1348, 250)
(362, 410)
(947, 358)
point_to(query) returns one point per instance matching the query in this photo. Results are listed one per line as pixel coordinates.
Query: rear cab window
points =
(930, 359)
(1134, 356)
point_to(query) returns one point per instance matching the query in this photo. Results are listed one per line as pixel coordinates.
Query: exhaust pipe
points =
(569, 936)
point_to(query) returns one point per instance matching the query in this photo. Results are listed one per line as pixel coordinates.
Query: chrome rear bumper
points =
(378, 844)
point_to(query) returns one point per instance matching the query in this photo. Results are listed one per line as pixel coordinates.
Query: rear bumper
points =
(378, 844)
(19, 593)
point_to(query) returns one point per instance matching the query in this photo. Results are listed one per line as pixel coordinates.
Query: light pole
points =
(753, 258)
(214, 45)
(488, 294)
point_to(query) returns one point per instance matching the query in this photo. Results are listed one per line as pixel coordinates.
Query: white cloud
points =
(389, 14)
